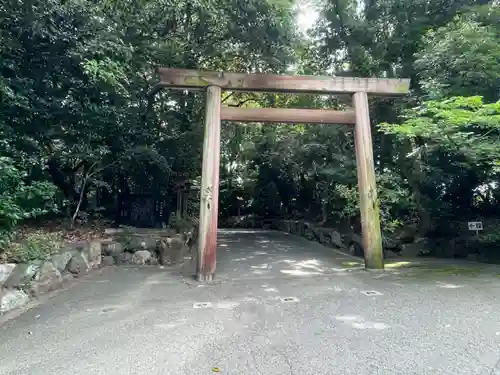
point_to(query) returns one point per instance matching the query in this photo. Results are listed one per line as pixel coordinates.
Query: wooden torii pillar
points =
(214, 82)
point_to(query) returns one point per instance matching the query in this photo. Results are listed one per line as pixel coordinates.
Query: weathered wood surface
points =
(209, 202)
(288, 115)
(368, 202)
(194, 79)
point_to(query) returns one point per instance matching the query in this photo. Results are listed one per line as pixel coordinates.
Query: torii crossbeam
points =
(214, 82)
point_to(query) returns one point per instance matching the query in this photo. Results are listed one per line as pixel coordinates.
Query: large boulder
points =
(5, 271)
(140, 242)
(141, 257)
(112, 248)
(171, 250)
(417, 248)
(12, 299)
(123, 258)
(62, 259)
(94, 252)
(22, 275)
(308, 231)
(47, 278)
(78, 264)
(107, 261)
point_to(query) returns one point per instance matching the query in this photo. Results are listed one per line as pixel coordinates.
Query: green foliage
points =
(182, 225)
(266, 202)
(490, 238)
(459, 58)
(462, 126)
(76, 80)
(20, 198)
(395, 206)
(77, 110)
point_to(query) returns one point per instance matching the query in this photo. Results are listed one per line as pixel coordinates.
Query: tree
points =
(75, 79)
(461, 58)
(456, 144)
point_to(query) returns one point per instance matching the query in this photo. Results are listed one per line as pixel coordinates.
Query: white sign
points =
(475, 225)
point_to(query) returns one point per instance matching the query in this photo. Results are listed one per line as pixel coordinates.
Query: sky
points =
(307, 15)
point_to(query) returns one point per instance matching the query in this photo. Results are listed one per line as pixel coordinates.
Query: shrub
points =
(33, 246)
(21, 199)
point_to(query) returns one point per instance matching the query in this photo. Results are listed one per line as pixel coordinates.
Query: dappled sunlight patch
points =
(268, 288)
(402, 264)
(449, 286)
(260, 253)
(352, 264)
(300, 272)
(433, 271)
(262, 266)
(250, 300)
(312, 263)
(370, 325)
(338, 269)
(226, 305)
(241, 231)
(259, 272)
(271, 290)
(359, 322)
(303, 268)
(347, 318)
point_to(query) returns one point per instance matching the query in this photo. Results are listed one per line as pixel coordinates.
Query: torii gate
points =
(214, 82)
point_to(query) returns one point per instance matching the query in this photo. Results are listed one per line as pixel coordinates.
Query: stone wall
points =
(329, 237)
(21, 282)
(147, 247)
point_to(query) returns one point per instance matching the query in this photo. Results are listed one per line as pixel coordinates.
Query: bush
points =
(21, 199)
(33, 246)
(395, 206)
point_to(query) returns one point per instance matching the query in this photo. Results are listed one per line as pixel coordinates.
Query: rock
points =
(107, 260)
(408, 233)
(153, 261)
(47, 279)
(336, 239)
(48, 272)
(141, 257)
(62, 259)
(308, 231)
(12, 299)
(5, 271)
(123, 258)
(112, 248)
(78, 263)
(172, 250)
(94, 251)
(137, 243)
(417, 248)
(177, 249)
(22, 274)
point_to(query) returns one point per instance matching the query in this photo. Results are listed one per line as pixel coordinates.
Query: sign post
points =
(475, 226)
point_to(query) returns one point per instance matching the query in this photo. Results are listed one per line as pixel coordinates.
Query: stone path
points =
(281, 305)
